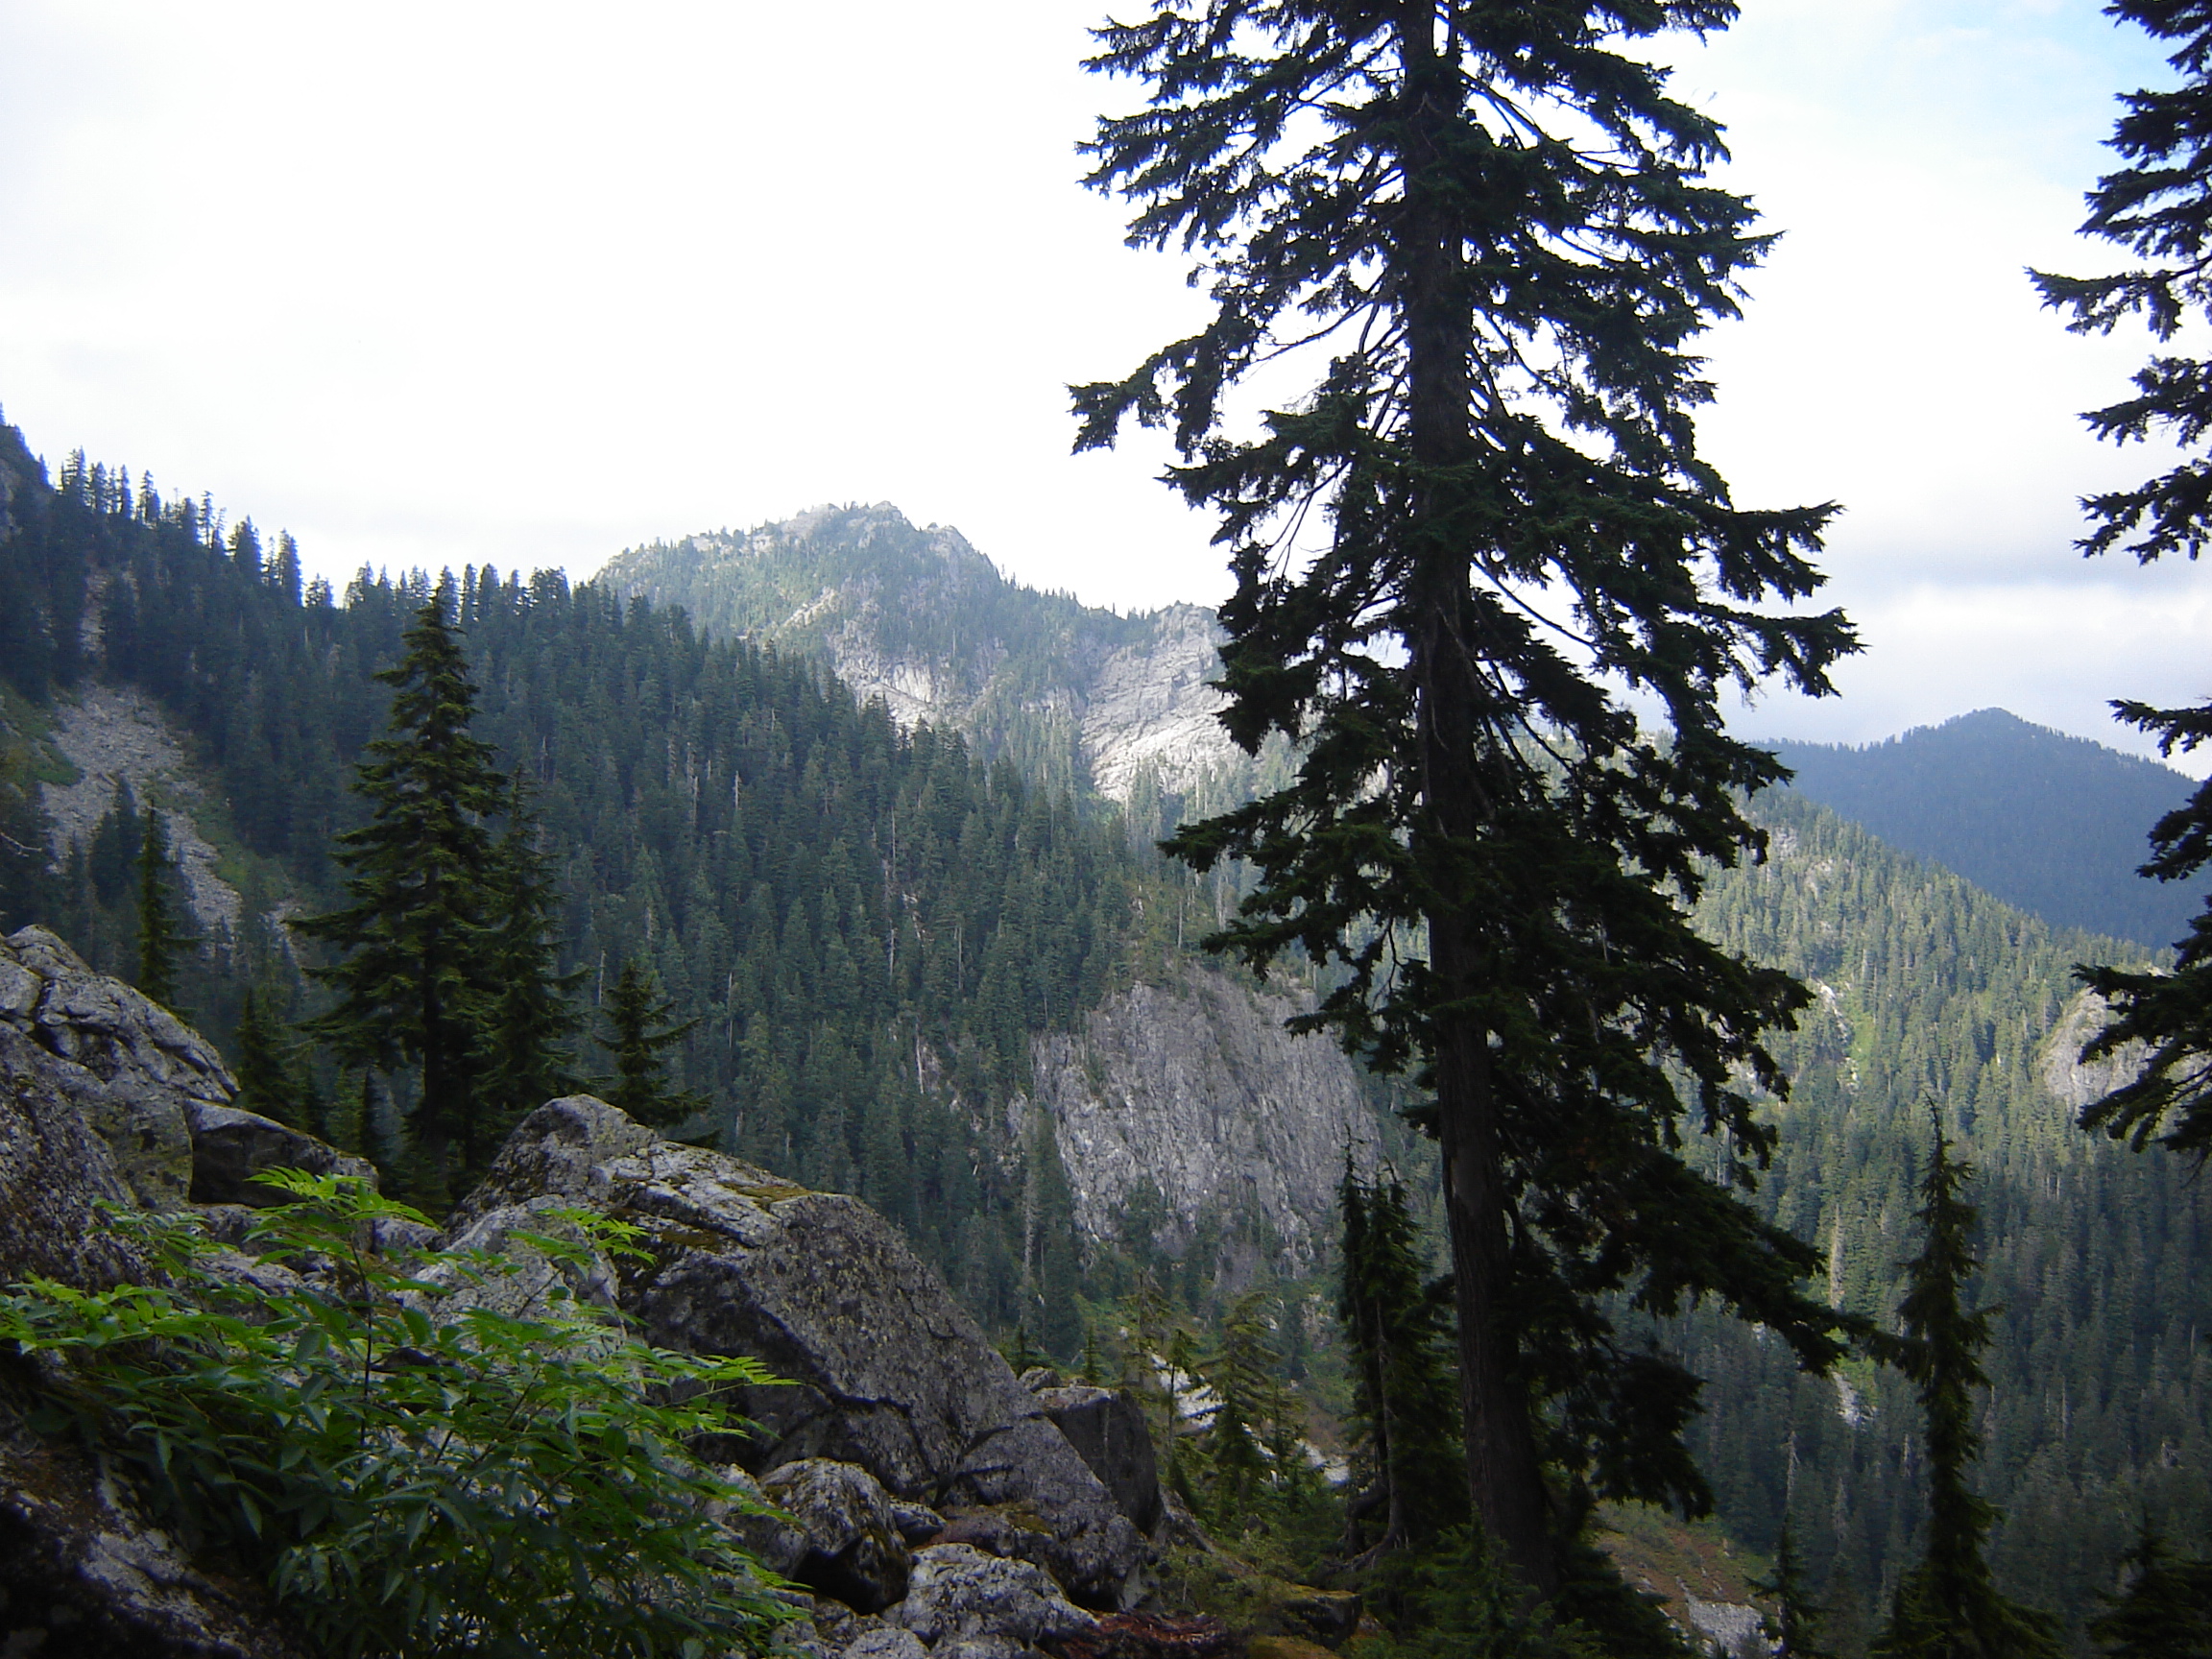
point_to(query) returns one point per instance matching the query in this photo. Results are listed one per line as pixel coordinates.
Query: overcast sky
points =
(532, 283)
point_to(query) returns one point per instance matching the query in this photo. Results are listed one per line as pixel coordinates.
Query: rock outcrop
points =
(131, 1068)
(99, 1092)
(885, 1370)
(1196, 1088)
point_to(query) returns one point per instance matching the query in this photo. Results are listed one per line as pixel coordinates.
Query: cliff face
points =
(1195, 1089)
(918, 617)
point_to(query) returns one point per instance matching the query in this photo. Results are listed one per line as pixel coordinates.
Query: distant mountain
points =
(1074, 695)
(2053, 823)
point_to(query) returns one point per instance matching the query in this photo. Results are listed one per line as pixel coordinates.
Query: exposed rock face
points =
(229, 1147)
(128, 1066)
(1150, 706)
(1107, 1428)
(854, 1549)
(887, 1372)
(84, 1574)
(1195, 1086)
(958, 1593)
(917, 616)
(2059, 1065)
(98, 1089)
(117, 737)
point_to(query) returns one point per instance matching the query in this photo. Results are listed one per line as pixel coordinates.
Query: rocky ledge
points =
(924, 1502)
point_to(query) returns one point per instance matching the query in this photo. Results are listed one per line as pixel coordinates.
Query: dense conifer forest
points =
(868, 925)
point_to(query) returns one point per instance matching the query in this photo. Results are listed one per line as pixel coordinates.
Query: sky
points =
(528, 284)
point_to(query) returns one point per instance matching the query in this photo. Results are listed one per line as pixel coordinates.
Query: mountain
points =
(968, 992)
(1935, 997)
(1077, 696)
(2054, 824)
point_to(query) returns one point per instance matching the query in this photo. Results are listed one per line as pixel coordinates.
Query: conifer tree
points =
(268, 1081)
(637, 1029)
(1948, 1606)
(422, 893)
(1794, 1627)
(161, 937)
(1404, 1401)
(2158, 207)
(1485, 519)
(525, 1017)
(2164, 1610)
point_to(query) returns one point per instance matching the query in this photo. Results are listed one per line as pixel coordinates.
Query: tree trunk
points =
(1504, 1471)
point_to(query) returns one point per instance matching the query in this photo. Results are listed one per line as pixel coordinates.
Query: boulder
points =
(1155, 1636)
(229, 1147)
(126, 1062)
(854, 1549)
(1107, 1428)
(54, 1171)
(885, 1642)
(958, 1594)
(885, 1369)
(83, 1572)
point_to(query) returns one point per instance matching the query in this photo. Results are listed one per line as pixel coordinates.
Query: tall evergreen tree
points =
(161, 937)
(1404, 1401)
(525, 1017)
(2164, 1608)
(421, 885)
(1948, 1606)
(1795, 1628)
(638, 1031)
(2159, 208)
(1485, 522)
(269, 1081)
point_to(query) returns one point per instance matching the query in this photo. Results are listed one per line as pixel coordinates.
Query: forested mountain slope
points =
(2055, 825)
(872, 927)
(969, 995)
(1074, 694)
(1933, 993)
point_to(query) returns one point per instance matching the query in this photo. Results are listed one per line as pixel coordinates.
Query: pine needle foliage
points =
(423, 900)
(1794, 1627)
(640, 1028)
(1397, 1329)
(161, 937)
(2158, 207)
(1948, 1606)
(1483, 520)
(526, 1017)
(2164, 1607)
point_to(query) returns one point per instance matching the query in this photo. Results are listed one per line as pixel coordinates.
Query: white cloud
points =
(528, 284)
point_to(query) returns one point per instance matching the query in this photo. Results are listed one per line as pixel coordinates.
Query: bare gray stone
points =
(83, 1572)
(885, 1642)
(1107, 1428)
(886, 1371)
(128, 1065)
(958, 1593)
(854, 1549)
(229, 1147)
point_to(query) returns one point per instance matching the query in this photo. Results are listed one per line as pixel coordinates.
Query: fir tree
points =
(422, 891)
(525, 1019)
(2164, 1609)
(638, 1029)
(269, 1080)
(1404, 1401)
(1947, 1606)
(2156, 208)
(1485, 519)
(1794, 1625)
(161, 937)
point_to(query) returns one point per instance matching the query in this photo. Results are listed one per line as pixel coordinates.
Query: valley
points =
(883, 824)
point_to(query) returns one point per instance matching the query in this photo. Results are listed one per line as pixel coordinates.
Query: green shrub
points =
(415, 1473)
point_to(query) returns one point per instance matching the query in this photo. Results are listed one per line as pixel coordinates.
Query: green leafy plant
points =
(425, 1452)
